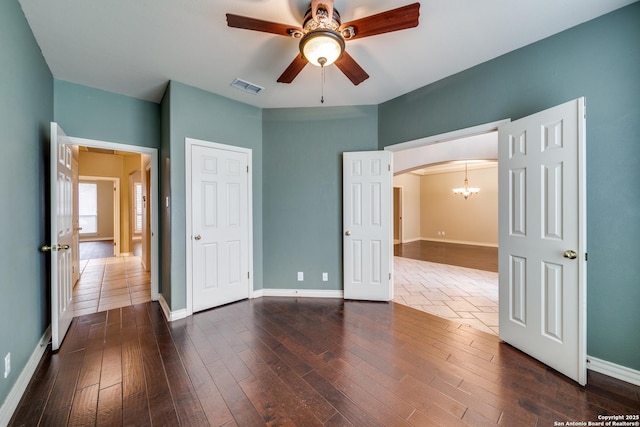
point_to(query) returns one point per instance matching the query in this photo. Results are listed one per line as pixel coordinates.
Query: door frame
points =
(188, 145)
(116, 207)
(153, 152)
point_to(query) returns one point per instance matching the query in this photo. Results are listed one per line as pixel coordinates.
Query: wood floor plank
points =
(295, 361)
(161, 406)
(351, 411)
(210, 398)
(384, 414)
(85, 406)
(240, 406)
(65, 383)
(135, 410)
(188, 407)
(110, 406)
(318, 406)
(288, 406)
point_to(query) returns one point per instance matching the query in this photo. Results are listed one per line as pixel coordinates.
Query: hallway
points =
(108, 283)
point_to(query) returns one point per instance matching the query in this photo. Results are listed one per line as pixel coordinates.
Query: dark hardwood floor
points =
(470, 256)
(305, 362)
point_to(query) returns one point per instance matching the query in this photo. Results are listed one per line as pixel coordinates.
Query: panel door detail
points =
(220, 238)
(542, 214)
(367, 231)
(61, 235)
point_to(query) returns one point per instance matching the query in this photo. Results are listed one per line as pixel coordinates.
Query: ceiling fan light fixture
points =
(321, 47)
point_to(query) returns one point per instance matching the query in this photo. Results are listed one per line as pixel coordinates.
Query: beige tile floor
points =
(108, 283)
(461, 294)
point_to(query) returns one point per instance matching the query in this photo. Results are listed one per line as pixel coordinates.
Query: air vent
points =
(246, 86)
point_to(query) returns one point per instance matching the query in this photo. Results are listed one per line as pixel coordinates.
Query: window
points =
(88, 207)
(137, 187)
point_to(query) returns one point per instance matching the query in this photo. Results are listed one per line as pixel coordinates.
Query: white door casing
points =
(368, 225)
(542, 215)
(61, 251)
(219, 243)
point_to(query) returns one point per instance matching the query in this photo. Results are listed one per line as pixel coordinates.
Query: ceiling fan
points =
(322, 35)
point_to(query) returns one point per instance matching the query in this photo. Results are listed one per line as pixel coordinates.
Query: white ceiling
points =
(133, 47)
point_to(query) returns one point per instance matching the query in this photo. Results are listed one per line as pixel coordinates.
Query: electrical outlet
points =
(325, 277)
(7, 364)
(300, 276)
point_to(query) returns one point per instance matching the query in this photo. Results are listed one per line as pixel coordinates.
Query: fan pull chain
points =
(322, 93)
(322, 60)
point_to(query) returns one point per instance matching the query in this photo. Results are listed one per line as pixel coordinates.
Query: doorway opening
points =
(446, 263)
(117, 263)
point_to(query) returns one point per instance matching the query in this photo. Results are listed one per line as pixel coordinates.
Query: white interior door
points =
(220, 200)
(61, 248)
(367, 225)
(542, 237)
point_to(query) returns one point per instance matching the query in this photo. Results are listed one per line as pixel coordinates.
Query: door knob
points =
(570, 254)
(197, 237)
(46, 248)
(63, 247)
(347, 233)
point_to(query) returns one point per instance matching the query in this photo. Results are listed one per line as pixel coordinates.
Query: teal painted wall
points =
(86, 112)
(600, 60)
(197, 114)
(26, 109)
(303, 190)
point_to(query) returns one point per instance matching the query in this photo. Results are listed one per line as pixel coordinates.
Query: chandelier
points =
(465, 190)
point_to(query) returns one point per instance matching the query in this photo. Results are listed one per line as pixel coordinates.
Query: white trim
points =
(169, 315)
(613, 370)
(94, 239)
(413, 240)
(448, 136)
(153, 163)
(306, 293)
(188, 144)
(459, 242)
(20, 386)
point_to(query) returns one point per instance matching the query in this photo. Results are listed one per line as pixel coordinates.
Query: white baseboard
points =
(168, 314)
(306, 293)
(20, 387)
(460, 242)
(94, 239)
(613, 370)
(412, 240)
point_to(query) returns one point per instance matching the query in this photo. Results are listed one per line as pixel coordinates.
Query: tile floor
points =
(108, 283)
(464, 295)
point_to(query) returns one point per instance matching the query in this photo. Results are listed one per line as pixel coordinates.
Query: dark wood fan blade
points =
(351, 69)
(385, 22)
(293, 69)
(247, 23)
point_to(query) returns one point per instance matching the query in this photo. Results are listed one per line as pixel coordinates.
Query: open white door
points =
(220, 200)
(61, 248)
(367, 225)
(542, 237)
